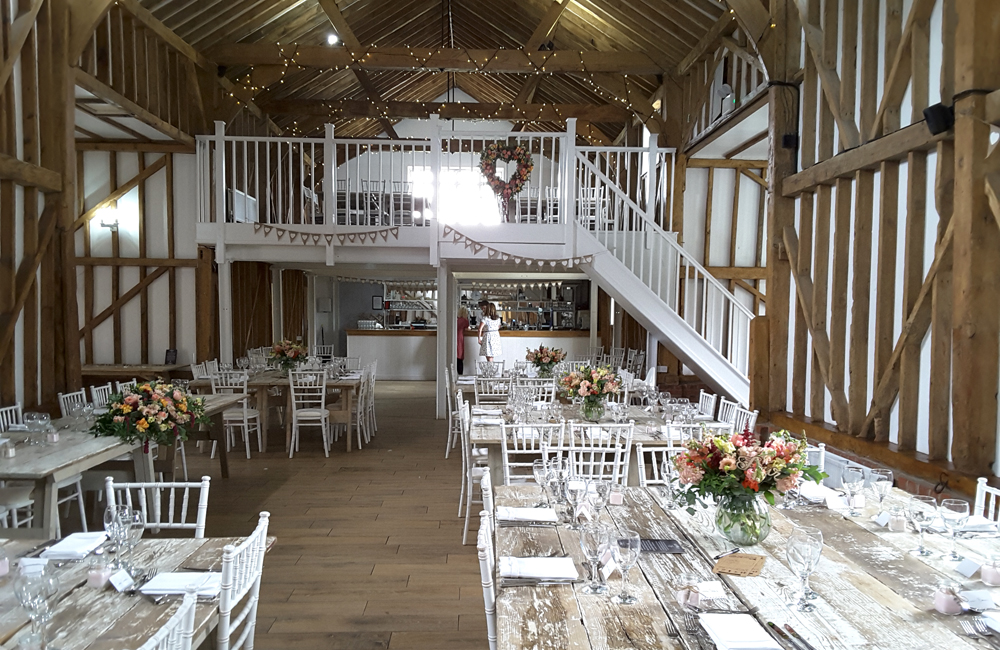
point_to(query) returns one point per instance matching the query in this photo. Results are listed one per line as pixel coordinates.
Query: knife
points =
(781, 636)
(38, 550)
(798, 637)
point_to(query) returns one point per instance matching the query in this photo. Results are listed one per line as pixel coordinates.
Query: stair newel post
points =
(329, 177)
(567, 187)
(220, 172)
(435, 232)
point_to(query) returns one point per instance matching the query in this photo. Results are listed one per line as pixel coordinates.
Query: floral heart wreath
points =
(488, 166)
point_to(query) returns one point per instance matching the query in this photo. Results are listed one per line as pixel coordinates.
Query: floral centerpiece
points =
(737, 470)
(544, 359)
(152, 412)
(593, 385)
(288, 354)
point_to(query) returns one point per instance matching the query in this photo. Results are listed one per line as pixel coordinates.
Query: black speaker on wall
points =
(939, 118)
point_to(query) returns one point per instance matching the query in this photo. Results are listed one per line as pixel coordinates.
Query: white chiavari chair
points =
(242, 567)
(212, 367)
(602, 435)
(241, 416)
(69, 400)
(16, 506)
(454, 423)
(122, 387)
(472, 470)
(487, 520)
(10, 415)
(198, 370)
(652, 458)
(324, 352)
(817, 456)
(492, 390)
(486, 555)
(173, 514)
(598, 463)
(727, 411)
(101, 395)
(551, 204)
(987, 500)
(541, 389)
(706, 404)
(370, 404)
(489, 368)
(352, 363)
(744, 420)
(522, 445)
(309, 406)
(623, 396)
(177, 632)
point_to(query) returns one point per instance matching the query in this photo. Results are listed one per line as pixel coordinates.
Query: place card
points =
(711, 589)
(978, 600)
(122, 581)
(883, 519)
(968, 567)
(608, 564)
(745, 565)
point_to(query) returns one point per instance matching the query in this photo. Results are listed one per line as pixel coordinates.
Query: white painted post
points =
(277, 325)
(652, 352)
(651, 181)
(593, 313)
(446, 324)
(220, 173)
(435, 231)
(225, 302)
(567, 189)
(329, 180)
(310, 341)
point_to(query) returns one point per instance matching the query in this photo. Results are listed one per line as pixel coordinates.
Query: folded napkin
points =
(975, 524)
(479, 410)
(547, 515)
(540, 568)
(992, 619)
(838, 501)
(486, 422)
(702, 418)
(74, 547)
(737, 632)
(816, 492)
(208, 584)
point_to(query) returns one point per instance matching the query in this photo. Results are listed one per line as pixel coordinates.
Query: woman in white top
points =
(489, 332)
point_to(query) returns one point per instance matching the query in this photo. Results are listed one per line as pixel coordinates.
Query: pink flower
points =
(161, 416)
(132, 399)
(787, 483)
(727, 464)
(691, 474)
(119, 419)
(583, 392)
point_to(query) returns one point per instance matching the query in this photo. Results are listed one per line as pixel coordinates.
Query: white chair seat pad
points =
(310, 413)
(15, 497)
(480, 452)
(237, 414)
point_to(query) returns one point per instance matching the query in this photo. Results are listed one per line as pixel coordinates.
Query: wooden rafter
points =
(352, 43)
(122, 300)
(351, 109)
(17, 34)
(24, 173)
(121, 191)
(100, 89)
(722, 26)
(542, 32)
(522, 61)
(829, 80)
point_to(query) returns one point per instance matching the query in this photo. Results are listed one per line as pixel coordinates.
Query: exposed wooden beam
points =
(120, 192)
(738, 272)
(829, 80)
(722, 26)
(152, 146)
(724, 125)
(17, 34)
(547, 25)
(894, 146)
(727, 163)
(592, 134)
(27, 271)
(820, 339)
(134, 261)
(521, 61)
(84, 18)
(23, 173)
(97, 87)
(752, 17)
(899, 72)
(349, 109)
(122, 300)
(633, 98)
(742, 52)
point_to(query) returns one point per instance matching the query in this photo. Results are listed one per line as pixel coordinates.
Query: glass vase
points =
(544, 372)
(744, 521)
(592, 409)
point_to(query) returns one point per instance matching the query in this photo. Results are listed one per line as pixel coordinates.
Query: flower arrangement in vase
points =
(593, 385)
(151, 412)
(288, 354)
(738, 472)
(545, 359)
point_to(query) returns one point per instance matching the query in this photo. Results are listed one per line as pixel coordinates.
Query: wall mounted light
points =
(109, 218)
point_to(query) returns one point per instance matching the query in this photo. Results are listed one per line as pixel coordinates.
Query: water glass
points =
(135, 525)
(955, 514)
(802, 551)
(36, 589)
(598, 493)
(595, 540)
(626, 552)
(882, 484)
(115, 518)
(667, 489)
(576, 492)
(540, 471)
(853, 479)
(922, 510)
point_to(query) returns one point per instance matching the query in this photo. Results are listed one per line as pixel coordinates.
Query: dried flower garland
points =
(506, 190)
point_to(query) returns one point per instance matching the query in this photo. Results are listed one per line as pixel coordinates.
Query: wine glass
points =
(595, 540)
(803, 550)
(134, 526)
(955, 514)
(598, 493)
(114, 526)
(626, 551)
(540, 471)
(667, 489)
(921, 510)
(882, 484)
(36, 588)
(559, 470)
(853, 479)
(576, 492)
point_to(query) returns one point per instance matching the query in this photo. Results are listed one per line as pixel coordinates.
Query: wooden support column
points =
(976, 308)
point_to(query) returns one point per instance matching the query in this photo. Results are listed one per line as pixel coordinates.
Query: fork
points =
(984, 631)
(693, 627)
(970, 631)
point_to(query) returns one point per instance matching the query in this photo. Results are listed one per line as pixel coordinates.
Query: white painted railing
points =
(610, 184)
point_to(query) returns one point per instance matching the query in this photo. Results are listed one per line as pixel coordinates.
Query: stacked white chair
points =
(241, 416)
(178, 631)
(242, 567)
(543, 389)
(492, 390)
(522, 445)
(178, 512)
(309, 406)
